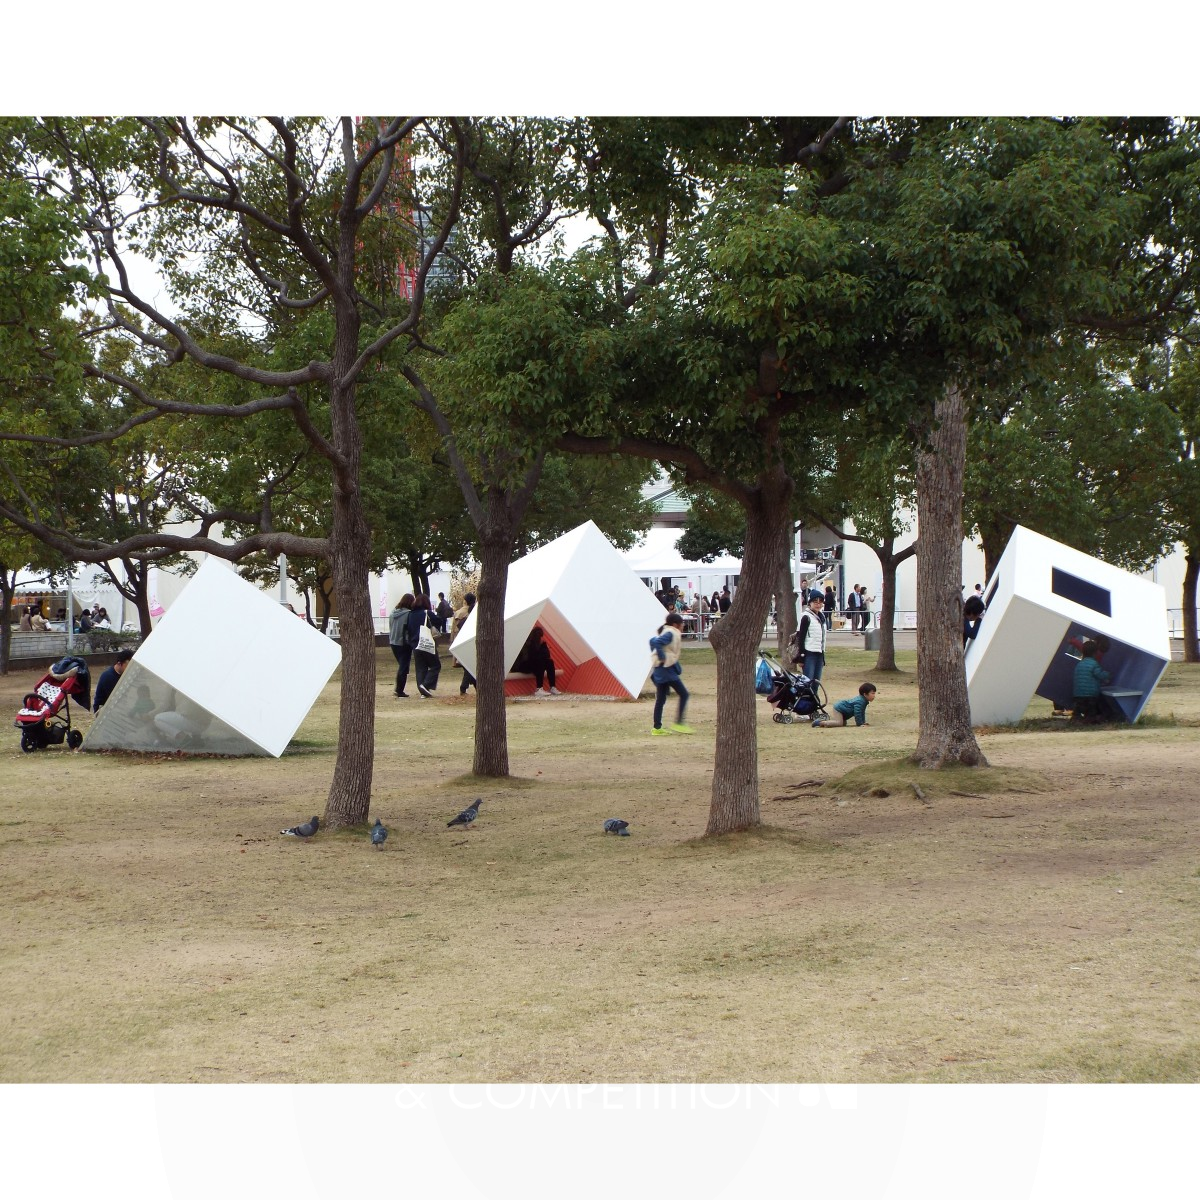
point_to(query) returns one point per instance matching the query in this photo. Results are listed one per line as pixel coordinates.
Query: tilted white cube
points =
(1041, 595)
(597, 615)
(227, 670)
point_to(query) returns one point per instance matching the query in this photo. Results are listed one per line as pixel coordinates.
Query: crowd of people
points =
(412, 625)
(32, 620)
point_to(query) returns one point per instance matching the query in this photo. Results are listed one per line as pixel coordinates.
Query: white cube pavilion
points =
(1041, 595)
(227, 670)
(597, 615)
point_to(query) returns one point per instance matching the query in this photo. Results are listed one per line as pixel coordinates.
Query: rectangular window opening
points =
(1090, 595)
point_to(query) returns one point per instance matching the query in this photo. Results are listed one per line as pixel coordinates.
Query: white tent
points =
(227, 670)
(1042, 595)
(657, 555)
(596, 614)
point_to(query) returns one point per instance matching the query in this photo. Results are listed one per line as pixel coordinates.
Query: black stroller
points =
(794, 695)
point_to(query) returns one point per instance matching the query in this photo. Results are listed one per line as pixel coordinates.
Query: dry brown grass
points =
(159, 928)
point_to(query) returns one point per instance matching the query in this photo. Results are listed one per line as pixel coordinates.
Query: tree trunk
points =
(491, 717)
(785, 598)
(994, 539)
(944, 731)
(349, 800)
(735, 639)
(8, 589)
(887, 612)
(138, 575)
(1191, 646)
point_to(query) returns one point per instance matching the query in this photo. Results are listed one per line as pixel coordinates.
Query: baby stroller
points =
(44, 717)
(794, 694)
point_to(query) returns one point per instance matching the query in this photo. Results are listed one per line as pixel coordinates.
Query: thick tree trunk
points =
(8, 589)
(735, 639)
(1191, 645)
(491, 717)
(945, 734)
(785, 596)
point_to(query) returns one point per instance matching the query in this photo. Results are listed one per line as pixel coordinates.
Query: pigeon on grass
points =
(303, 831)
(617, 826)
(466, 816)
(378, 834)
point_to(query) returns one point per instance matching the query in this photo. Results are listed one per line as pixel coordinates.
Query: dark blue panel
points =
(1090, 595)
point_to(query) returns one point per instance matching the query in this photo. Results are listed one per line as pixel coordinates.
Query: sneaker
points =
(401, 695)
(819, 724)
(424, 691)
(542, 694)
(679, 727)
(660, 733)
(555, 692)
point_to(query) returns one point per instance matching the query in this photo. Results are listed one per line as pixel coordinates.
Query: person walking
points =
(460, 619)
(810, 637)
(666, 674)
(443, 613)
(428, 664)
(398, 640)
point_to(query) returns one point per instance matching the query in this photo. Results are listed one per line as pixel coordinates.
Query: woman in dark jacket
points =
(428, 665)
(399, 641)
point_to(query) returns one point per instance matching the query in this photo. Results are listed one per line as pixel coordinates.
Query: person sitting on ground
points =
(534, 659)
(108, 680)
(855, 707)
(1090, 677)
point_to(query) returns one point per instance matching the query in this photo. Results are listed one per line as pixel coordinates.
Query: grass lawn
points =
(1035, 921)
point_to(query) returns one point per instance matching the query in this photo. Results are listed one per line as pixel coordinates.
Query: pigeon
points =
(303, 831)
(617, 826)
(466, 816)
(378, 833)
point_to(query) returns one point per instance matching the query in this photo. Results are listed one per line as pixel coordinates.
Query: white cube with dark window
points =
(1043, 600)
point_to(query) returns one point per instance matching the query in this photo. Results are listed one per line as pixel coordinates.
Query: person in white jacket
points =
(810, 637)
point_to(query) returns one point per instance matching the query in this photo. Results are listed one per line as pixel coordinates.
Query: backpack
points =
(794, 649)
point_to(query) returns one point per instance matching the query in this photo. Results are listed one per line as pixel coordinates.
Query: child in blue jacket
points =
(855, 707)
(665, 673)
